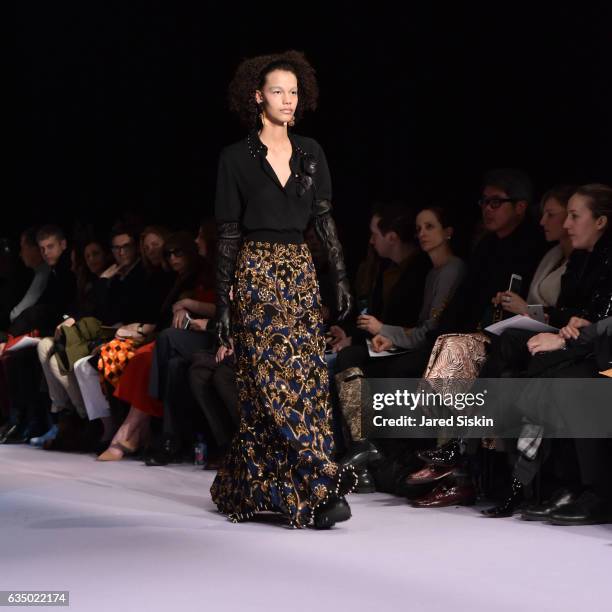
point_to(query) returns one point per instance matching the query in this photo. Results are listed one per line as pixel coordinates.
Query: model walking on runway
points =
(271, 185)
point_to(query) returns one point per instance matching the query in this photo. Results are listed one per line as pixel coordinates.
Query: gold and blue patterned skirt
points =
(280, 459)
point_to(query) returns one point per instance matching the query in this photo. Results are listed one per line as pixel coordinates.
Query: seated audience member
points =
(22, 367)
(152, 241)
(18, 296)
(30, 254)
(174, 349)
(392, 300)
(434, 233)
(160, 276)
(88, 263)
(60, 290)
(194, 281)
(546, 284)
(122, 295)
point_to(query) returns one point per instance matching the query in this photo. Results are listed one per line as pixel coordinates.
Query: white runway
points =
(123, 536)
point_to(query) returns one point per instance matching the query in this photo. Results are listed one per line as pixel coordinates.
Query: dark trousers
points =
(171, 343)
(28, 403)
(507, 354)
(578, 462)
(406, 365)
(168, 380)
(214, 388)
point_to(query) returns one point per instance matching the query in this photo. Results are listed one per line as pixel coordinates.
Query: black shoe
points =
(333, 510)
(542, 512)
(447, 455)
(365, 482)
(11, 432)
(360, 454)
(588, 509)
(170, 452)
(16, 435)
(510, 505)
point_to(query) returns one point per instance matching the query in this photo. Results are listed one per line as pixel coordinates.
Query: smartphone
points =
(186, 321)
(516, 282)
(536, 312)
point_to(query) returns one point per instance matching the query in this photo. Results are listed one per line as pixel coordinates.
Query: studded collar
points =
(256, 147)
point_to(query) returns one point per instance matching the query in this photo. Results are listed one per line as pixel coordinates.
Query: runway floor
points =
(123, 536)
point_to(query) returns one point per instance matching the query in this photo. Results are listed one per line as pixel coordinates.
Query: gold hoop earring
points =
(292, 122)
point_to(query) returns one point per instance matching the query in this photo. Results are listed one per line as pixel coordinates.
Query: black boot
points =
(360, 454)
(365, 482)
(447, 455)
(510, 504)
(331, 511)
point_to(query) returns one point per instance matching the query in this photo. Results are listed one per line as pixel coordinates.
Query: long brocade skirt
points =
(280, 459)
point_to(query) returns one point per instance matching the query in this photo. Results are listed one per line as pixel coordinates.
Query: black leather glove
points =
(325, 229)
(228, 243)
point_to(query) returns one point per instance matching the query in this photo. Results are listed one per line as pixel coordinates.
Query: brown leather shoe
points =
(428, 474)
(447, 495)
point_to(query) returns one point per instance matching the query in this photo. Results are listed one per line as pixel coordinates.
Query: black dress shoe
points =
(510, 505)
(159, 458)
(333, 510)
(542, 512)
(170, 452)
(588, 509)
(447, 455)
(365, 482)
(360, 454)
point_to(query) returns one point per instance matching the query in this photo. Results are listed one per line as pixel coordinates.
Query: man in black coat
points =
(23, 371)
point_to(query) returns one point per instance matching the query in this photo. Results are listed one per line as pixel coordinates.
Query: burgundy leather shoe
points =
(428, 474)
(447, 495)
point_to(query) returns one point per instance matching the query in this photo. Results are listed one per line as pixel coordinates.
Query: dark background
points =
(123, 107)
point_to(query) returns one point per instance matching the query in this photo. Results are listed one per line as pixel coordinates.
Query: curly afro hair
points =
(251, 76)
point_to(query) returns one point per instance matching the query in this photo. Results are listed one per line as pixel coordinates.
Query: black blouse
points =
(250, 193)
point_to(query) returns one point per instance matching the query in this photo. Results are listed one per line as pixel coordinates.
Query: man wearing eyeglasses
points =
(513, 244)
(121, 293)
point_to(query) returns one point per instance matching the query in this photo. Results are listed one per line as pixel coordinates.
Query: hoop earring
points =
(292, 122)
